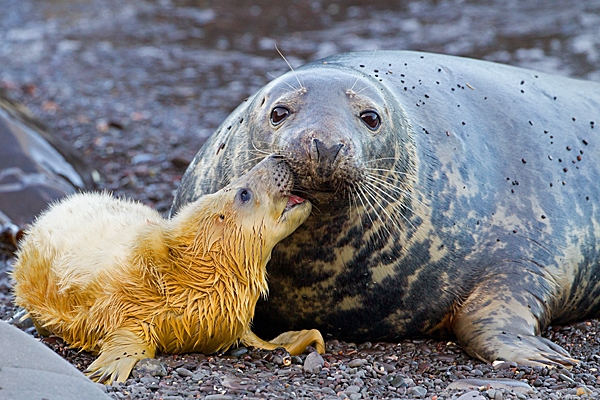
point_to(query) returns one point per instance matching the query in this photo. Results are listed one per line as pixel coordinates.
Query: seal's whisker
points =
(301, 190)
(292, 68)
(291, 87)
(353, 194)
(362, 90)
(392, 171)
(375, 190)
(379, 159)
(257, 149)
(366, 65)
(394, 188)
(367, 210)
(373, 194)
(316, 208)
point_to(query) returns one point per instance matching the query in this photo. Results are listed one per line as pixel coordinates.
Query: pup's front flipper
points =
(295, 342)
(118, 355)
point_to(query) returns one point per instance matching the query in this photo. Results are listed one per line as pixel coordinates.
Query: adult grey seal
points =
(452, 196)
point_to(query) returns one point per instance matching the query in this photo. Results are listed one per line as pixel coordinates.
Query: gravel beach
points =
(137, 86)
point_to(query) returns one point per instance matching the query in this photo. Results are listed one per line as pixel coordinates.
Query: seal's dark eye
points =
(278, 114)
(244, 195)
(371, 119)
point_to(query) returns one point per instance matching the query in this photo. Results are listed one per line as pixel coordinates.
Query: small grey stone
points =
(566, 378)
(328, 390)
(297, 360)
(313, 363)
(398, 381)
(355, 396)
(218, 397)
(149, 366)
(184, 372)
(506, 384)
(352, 389)
(357, 362)
(418, 391)
(473, 395)
(240, 351)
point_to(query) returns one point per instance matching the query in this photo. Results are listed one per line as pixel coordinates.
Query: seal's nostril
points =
(325, 155)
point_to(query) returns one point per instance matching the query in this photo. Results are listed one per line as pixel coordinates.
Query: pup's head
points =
(250, 215)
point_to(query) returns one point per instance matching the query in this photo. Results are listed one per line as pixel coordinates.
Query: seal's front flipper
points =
(501, 319)
(118, 355)
(295, 342)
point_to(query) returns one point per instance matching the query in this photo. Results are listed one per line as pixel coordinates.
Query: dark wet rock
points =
(36, 166)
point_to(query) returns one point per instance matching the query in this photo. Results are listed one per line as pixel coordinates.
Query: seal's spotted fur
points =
(452, 196)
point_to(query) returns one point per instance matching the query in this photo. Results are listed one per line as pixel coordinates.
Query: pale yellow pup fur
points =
(112, 276)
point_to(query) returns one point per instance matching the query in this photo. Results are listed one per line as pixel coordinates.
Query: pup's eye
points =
(278, 114)
(371, 119)
(244, 195)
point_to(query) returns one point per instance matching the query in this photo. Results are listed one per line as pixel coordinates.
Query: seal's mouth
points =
(292, 202)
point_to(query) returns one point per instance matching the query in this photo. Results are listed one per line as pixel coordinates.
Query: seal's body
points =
(112, 276)
(451, 196)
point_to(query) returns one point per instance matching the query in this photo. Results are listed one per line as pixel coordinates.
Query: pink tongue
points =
(293, 200)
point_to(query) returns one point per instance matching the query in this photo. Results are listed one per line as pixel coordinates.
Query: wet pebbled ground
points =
(137, 86)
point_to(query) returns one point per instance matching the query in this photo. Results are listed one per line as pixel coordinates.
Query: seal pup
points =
(113, 277)
(453, 197)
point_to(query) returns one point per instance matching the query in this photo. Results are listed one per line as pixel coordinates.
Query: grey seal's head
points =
(343, 133)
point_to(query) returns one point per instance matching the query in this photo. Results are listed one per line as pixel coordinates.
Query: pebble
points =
(508, 384)
(352, 389)
(184, 372)
(218, 397)
(566, 378)
(240, 351)
(418, 391)
(149, 366)
(313, 363)
(357, 362)
(473, 395)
